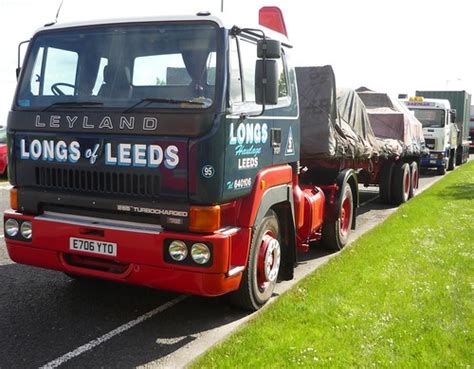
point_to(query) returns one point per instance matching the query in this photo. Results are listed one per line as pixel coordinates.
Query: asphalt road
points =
(49, 320)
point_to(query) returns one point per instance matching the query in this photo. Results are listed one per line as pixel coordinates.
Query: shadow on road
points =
(45, 314)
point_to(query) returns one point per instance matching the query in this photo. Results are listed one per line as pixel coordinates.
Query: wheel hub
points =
(345, 215)
(406, 184)
(415, 179)
(269, 260)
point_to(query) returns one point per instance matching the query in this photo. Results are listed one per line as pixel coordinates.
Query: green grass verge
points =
(401, 296)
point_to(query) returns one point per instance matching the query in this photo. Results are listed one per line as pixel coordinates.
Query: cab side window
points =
(243, 57)
(248, 57)
(282, 79)
(235, 82)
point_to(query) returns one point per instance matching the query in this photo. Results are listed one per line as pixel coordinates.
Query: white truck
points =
(439, 129)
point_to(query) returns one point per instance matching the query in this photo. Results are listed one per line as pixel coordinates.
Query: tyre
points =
(414, 178)
(441, 170)
(260, 276)
(401, 183)
(385, 182)
(452, 159)
(459, 156)
(336, 233)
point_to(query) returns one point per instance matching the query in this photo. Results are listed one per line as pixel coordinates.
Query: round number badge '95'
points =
(207, 171)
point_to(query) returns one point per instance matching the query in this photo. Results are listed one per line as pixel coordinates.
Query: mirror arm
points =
(18, 67)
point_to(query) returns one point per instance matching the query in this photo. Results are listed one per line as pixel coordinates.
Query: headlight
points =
(26, 230)
(200, 253)
(178, 250)
(12, 227)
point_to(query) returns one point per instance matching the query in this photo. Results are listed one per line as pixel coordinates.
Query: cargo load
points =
(334, 122)
(397, 129)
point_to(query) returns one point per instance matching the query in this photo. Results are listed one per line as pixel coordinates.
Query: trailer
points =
(339, 134)
(168, 153)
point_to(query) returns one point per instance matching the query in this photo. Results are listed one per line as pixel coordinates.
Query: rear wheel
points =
(385, 180)
(414, 177)
(336, 233)
(401, 183)
(260, 276)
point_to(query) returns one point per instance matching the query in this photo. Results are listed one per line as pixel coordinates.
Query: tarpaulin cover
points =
(396, 127)
(334, 123)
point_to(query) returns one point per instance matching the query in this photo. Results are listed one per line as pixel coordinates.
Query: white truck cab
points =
(439, 130)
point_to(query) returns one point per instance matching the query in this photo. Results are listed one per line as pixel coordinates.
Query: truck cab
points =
(151, 151)
(439, 130)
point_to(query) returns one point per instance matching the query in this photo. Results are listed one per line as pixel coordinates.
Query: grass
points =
(401, 296)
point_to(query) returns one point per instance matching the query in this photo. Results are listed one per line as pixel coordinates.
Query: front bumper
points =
(433, 160)
(140, 253)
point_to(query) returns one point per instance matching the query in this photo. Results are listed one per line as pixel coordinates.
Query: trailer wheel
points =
(401, 183)
(260, 276)
(452, 159)
(336, 233)
(414, 177)
(385, 180)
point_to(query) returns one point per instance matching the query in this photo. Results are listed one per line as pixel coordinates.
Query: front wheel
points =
(452, 159)
(441, 170)
(336, 233)
(260, 276)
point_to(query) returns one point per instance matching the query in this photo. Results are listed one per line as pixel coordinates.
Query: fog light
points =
(200, 253)
(178, 250)
(12, 227)
(26, 230)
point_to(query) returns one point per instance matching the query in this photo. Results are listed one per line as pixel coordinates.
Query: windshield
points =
(433, 118)
(120, 66)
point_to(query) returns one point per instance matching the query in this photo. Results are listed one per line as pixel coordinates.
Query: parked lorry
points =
(471, 130)
(176, 153)
(445, 117)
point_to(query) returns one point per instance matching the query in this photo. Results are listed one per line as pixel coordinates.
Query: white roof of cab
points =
(96, 22)
(222, 21)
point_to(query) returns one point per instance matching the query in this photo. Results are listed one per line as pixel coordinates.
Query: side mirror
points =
(270, 49)
(266, 82)
(452, 115)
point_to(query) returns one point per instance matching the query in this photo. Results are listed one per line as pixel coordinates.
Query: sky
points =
(394, 46)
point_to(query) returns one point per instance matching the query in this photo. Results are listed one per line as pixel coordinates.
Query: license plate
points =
(93, 246)
(432, 161)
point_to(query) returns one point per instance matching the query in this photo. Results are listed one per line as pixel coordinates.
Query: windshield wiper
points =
(73, 104)
(148, 100)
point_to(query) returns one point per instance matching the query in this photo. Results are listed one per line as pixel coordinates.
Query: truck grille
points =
(430, 143)
(99, 182)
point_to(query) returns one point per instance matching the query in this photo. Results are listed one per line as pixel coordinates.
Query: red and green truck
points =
(180, 153)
